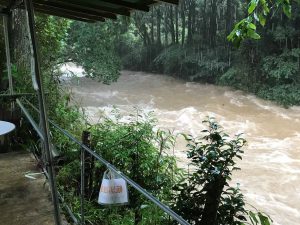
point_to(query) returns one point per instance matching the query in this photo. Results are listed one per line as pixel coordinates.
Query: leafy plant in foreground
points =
(205, 196)
(140, 153)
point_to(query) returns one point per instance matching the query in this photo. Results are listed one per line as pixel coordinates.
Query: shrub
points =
(286, 94)
(140, 153)
(205, 196)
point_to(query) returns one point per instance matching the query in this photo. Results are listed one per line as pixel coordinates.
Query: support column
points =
(38, 85)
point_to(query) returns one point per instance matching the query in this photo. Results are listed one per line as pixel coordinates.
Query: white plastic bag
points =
(113, 189)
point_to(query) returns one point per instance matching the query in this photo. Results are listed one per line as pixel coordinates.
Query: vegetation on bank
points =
(189, 41)
(201, 197)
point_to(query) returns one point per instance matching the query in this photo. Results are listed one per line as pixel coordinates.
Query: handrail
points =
(30, 119)
(135, 185)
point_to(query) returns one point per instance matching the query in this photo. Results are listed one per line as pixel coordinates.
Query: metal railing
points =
(86, 149)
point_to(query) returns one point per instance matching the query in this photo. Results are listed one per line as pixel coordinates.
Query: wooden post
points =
(84, 176)
(89, 165)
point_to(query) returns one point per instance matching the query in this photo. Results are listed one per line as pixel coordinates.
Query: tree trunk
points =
(176, 24)
(213, 24)
(183, 22)
(229, 17)
(190, 21)
(158, 26)
(152, 26)
(212, 201)
(166, 25)
(172, 25)
(19, 43)
(204, 27)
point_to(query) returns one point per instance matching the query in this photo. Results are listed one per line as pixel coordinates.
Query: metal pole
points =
(42, 106)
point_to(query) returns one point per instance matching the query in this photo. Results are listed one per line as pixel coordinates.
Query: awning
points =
(85, 10)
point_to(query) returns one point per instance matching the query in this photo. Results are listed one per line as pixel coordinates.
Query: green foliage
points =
(230, 78)
(134, 56)
(283, 68)
(232, 207)
(98, 215)
(91, 46)
(209, 70)
(130, 147)
(257, 218)
(286, 94)
(258, 10)
(137, 151)
(243, 30)
(170, 59)
(205, 196)
(213, 158)
(51, 34)
(70, 118)
(189, 42)
(180, 61)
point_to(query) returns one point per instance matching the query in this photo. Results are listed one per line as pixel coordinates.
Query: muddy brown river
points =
(270, 175)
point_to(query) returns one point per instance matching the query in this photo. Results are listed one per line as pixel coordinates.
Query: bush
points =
(140, 153)
(205, 196)
(231, 78)
(286, 95)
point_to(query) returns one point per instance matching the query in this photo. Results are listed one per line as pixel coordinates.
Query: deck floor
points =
(23, 201)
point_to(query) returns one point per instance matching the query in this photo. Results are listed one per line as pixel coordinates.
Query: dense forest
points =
(190, 42)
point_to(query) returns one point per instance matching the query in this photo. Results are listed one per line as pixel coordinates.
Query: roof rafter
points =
(68, 16)
(75, 9)
(130, 5)
(91, 6)
(85, 10)
(68, 12)
(175, 2)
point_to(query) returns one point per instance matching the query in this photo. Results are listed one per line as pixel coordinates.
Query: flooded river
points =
(270, 175)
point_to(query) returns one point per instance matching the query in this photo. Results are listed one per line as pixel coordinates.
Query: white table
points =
(6, 127)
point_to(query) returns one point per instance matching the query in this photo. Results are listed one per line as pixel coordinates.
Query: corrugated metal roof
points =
(86, 10)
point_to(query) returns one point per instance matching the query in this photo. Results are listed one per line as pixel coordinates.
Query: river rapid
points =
(270, 175)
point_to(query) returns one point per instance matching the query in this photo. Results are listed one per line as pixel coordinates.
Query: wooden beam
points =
(75, 8)
(130, 5)
(64, 15)
(175, 2)
(92, 6)
(68, 12)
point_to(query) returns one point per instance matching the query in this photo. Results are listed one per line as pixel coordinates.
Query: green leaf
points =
(263, 219)
(253, 5)
(253, 218)
(253, 35)
(262, 20)
(287, 9)
(252, 26)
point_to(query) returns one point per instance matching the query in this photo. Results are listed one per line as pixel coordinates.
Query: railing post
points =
(85, 141)
(38, 85)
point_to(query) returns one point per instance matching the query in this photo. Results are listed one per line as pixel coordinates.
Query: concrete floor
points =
(23, 201)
